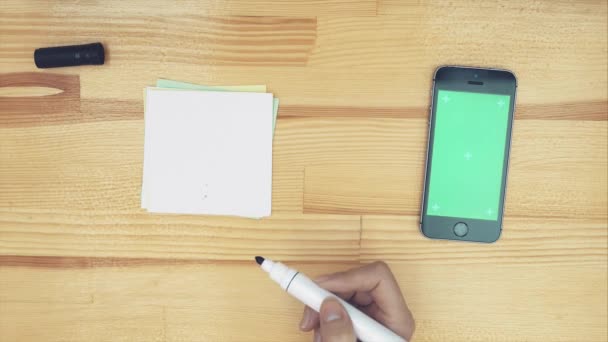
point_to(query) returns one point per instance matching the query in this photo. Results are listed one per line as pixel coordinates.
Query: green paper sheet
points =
(162, 83)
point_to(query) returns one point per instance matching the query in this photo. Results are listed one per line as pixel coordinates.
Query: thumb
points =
(335, 322)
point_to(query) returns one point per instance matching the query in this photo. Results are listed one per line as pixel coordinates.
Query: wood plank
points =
(541, 8)
(376, 85)
(29, 285)
(173, 302)
(219, 40)
(549, 273)
(555, 173)
(445, 35)
(560, 302)
(391, 182)
(159, 8)
(72, 167)
(158, 282)
(362, 189)
(42, 112)
(138, 235)
(32, 91)
(524, 241)
(35, 158)
(79, 261)
(61, 106)
(499, 303)
(56, 322)
(355, 51)
(426, 36)
(581, 111)
(387, 92)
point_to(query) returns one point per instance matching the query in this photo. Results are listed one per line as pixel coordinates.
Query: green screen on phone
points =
(468, 150)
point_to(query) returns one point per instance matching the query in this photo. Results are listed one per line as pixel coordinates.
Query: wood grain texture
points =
(28, 91)
(79, 261)
(524, 241)
(537, 9)
(139, 235)
(61, 106)
(91, 110)
(360, 189)
(379, 171)
(551, 273)
(383, 61)
(212, 40)
(77, 322)
(178, 302)
(181, 302)
(550, 302)
(55, 167)
(584, 111)
(216, 8)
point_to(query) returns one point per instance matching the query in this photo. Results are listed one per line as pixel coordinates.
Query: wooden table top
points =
(80, 261)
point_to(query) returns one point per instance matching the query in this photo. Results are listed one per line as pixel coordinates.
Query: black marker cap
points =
(61, 56)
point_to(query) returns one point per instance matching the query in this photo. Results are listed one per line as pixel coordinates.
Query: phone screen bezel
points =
(495, 81)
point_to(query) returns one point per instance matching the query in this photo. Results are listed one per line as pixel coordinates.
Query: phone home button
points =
(461, 229)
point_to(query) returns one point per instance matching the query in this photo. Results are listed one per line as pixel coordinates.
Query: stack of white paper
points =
(208, 152)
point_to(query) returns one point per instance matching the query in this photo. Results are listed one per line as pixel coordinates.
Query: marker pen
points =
(311, 294)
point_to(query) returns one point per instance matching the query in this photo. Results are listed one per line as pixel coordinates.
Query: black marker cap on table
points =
(61, 56)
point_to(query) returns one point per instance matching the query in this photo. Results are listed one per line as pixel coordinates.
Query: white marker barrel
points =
(311, 294)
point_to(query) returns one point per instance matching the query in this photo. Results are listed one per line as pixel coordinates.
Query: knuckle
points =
(381, 266)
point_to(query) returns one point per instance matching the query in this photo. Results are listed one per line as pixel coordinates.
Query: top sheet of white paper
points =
(208, 152)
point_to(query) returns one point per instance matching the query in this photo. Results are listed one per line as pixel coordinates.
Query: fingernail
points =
(333, 317)
(305, 319)
(332, 310)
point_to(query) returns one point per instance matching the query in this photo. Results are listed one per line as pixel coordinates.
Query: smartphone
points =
(471, 118)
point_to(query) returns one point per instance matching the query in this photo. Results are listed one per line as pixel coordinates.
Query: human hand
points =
(334, 323)
(373, 290)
